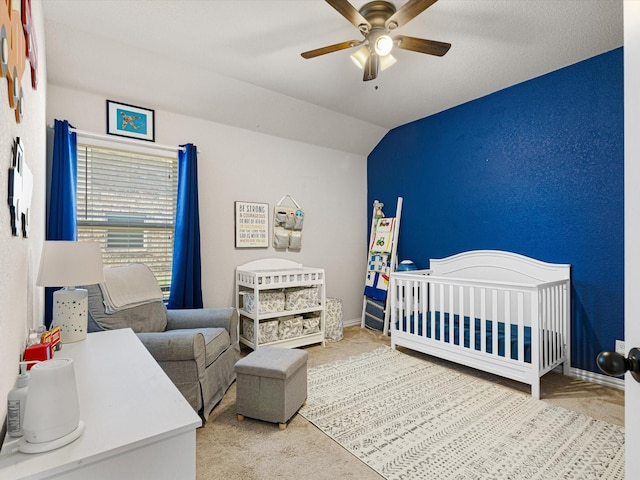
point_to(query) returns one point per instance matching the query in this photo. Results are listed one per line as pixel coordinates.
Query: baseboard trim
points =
(598, 378)
(352, 322)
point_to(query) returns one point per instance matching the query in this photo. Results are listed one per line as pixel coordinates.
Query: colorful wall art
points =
(18, 44)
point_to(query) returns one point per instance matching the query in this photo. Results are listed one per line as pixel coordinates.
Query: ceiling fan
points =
(376, 20)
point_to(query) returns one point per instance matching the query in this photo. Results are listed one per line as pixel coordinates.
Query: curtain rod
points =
(110, 138)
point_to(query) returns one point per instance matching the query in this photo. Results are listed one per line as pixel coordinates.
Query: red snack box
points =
(37, 352)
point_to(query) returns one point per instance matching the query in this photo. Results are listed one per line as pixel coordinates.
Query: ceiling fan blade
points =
(349, 12)
(371, 67)
(331, 48)
(430, 47)
(407, 12)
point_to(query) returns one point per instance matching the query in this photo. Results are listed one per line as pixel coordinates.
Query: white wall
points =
(236, 164)
(20, 301)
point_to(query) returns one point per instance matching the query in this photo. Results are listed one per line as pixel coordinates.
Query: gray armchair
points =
(197, 349)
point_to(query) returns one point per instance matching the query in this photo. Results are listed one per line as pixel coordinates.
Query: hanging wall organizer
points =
(287, 225)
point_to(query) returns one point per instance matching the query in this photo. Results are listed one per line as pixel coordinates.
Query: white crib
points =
(495, 311)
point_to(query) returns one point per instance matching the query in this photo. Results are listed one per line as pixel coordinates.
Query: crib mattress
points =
(433, 331)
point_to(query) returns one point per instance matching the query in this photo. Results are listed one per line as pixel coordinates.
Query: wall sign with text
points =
(252, 225)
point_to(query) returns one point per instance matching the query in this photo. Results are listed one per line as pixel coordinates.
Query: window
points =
(127, 203)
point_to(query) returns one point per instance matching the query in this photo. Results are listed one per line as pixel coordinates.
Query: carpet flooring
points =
(254, 450)
(409, 418)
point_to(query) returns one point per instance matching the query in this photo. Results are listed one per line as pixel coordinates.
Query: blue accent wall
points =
(536, 169)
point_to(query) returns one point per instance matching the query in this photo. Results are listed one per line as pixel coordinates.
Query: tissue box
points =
(270, 302)
(267, 330)
(301, 298)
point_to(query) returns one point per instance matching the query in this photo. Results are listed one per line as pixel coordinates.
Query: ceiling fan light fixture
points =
(383, 45)
(361, 55)
(387, 61)
(377, 20)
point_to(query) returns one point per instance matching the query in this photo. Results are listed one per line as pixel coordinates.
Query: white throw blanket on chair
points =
(129, 286)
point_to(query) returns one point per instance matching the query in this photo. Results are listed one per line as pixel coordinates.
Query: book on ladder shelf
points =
(382, 259)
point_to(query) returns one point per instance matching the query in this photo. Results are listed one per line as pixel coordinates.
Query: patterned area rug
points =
(411, 419)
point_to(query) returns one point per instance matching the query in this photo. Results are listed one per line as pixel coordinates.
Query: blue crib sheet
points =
(409, 327)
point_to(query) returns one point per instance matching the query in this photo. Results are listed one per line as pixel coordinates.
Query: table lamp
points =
(69, 264)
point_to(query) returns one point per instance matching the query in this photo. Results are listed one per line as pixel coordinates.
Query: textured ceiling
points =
(238, 62)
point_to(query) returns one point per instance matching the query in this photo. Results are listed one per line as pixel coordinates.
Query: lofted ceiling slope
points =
(238, 62)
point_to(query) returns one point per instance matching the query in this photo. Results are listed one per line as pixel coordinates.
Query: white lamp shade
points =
(68, 264)
(360, 56)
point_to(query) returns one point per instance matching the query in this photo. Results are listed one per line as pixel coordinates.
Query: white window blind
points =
(127, 202)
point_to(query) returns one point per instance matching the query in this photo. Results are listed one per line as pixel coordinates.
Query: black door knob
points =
(614, 364)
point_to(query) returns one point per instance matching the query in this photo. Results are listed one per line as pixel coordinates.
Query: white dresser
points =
(138, 425)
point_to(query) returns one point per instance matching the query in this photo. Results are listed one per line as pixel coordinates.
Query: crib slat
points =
(461, 314)
(536, 337)
(541, 325)
(566, 325)
(494, 322)
(415, 305)
(472, 318)
(409, 305)
(557, 330)
(432, 309)
(546, 329)
(520, 320)
(483, 320)
(410, 323)
(556, 323)
(397, 306)
(402, 311)
(451, 339)
(550, 334)
(395, 310)
(562, 305)
(398, 298)
(441, 313)
(403, 305)
(507, 324)
(557, 313)
(424, 306)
